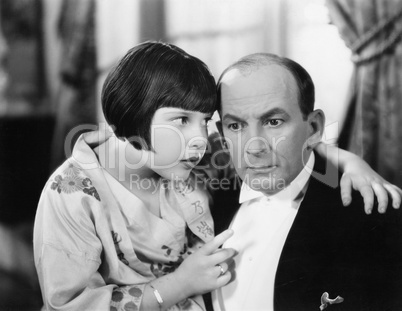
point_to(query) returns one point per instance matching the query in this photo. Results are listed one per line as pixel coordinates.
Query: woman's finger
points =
(221, 268)
(224, 279)
(395, 194)
(213, 245)
(367, 193)
(222, 255)
(382, 196)
(346, 190)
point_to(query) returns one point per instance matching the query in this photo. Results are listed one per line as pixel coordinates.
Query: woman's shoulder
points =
(67, 210)
(70, 178)
(69, 194)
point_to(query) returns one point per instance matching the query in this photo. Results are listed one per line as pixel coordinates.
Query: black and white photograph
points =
(200, 155)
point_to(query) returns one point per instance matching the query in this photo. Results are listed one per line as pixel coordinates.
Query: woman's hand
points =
(358, 175)
(208, 268)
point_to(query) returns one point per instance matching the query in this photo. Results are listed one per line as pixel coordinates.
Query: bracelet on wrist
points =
(157, 296)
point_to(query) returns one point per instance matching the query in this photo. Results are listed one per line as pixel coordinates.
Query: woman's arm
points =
(358, 175)
(198, 274)
(69, 256)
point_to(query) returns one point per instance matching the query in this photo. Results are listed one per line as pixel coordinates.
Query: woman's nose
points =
(197, 138)
(198, 142)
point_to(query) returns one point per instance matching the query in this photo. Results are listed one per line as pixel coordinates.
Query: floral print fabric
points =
(72, 180)
(96, 245)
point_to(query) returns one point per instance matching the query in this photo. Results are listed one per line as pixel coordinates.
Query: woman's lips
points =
(191, 162)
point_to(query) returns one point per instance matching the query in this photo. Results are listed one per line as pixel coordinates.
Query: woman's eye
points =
(274, 122)
(207, 120)
(181, 121)
(235, 127)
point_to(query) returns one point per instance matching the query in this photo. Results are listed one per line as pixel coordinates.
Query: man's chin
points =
(268, 185)
(266, 190)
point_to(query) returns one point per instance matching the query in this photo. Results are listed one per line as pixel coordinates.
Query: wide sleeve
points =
(69, 254)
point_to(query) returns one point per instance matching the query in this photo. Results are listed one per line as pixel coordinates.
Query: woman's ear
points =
(316, 120)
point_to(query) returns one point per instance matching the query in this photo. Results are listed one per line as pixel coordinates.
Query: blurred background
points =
(55, 54)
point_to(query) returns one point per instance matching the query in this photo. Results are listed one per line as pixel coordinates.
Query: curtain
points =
(372, 29)
(220, 32)
(76, 103)
(3, 71)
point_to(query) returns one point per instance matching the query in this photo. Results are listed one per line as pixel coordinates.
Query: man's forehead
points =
(267, 80)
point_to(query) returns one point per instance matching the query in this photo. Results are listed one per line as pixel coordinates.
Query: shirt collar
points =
(291, 192)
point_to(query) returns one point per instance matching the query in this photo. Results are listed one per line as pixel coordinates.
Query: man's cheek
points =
(278, 143)
(234, 156)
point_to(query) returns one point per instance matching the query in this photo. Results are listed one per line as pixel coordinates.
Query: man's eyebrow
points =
(232, 117)
(264, 116)
(274, 112)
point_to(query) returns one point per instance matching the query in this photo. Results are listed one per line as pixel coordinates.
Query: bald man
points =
(299, 247)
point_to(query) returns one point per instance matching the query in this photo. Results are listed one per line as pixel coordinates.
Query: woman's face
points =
(179, 140)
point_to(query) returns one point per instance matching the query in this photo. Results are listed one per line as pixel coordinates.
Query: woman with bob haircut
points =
(123, 224)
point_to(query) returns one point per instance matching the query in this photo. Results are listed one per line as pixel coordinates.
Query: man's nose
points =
(257, 146)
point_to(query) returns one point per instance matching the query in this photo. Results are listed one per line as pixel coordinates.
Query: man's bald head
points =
(254, 62)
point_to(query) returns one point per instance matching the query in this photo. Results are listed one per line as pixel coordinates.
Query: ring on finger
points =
(222, 271)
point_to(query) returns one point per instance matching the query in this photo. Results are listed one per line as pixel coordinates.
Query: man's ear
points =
(316, 120)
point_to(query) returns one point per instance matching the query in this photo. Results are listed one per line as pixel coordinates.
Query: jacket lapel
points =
(308, 250)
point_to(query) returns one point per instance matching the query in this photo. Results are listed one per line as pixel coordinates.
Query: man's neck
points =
(289, 192)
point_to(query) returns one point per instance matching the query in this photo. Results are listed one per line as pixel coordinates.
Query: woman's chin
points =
(175, 175)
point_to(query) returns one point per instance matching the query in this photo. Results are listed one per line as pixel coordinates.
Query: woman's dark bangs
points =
(199, 98)
(195, 89)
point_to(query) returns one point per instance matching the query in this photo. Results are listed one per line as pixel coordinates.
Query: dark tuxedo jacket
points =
(335, 249)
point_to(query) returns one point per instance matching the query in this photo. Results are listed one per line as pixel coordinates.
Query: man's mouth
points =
(262, 168)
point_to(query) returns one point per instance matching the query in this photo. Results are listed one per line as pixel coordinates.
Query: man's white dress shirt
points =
(260, 229)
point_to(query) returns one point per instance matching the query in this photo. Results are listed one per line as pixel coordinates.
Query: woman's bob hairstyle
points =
(150, 76)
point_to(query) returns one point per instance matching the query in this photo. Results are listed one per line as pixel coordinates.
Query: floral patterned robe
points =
(96, 245)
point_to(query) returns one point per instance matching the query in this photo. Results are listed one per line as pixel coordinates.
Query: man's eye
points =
(235, 127)
(181, 121)
(274, 122)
